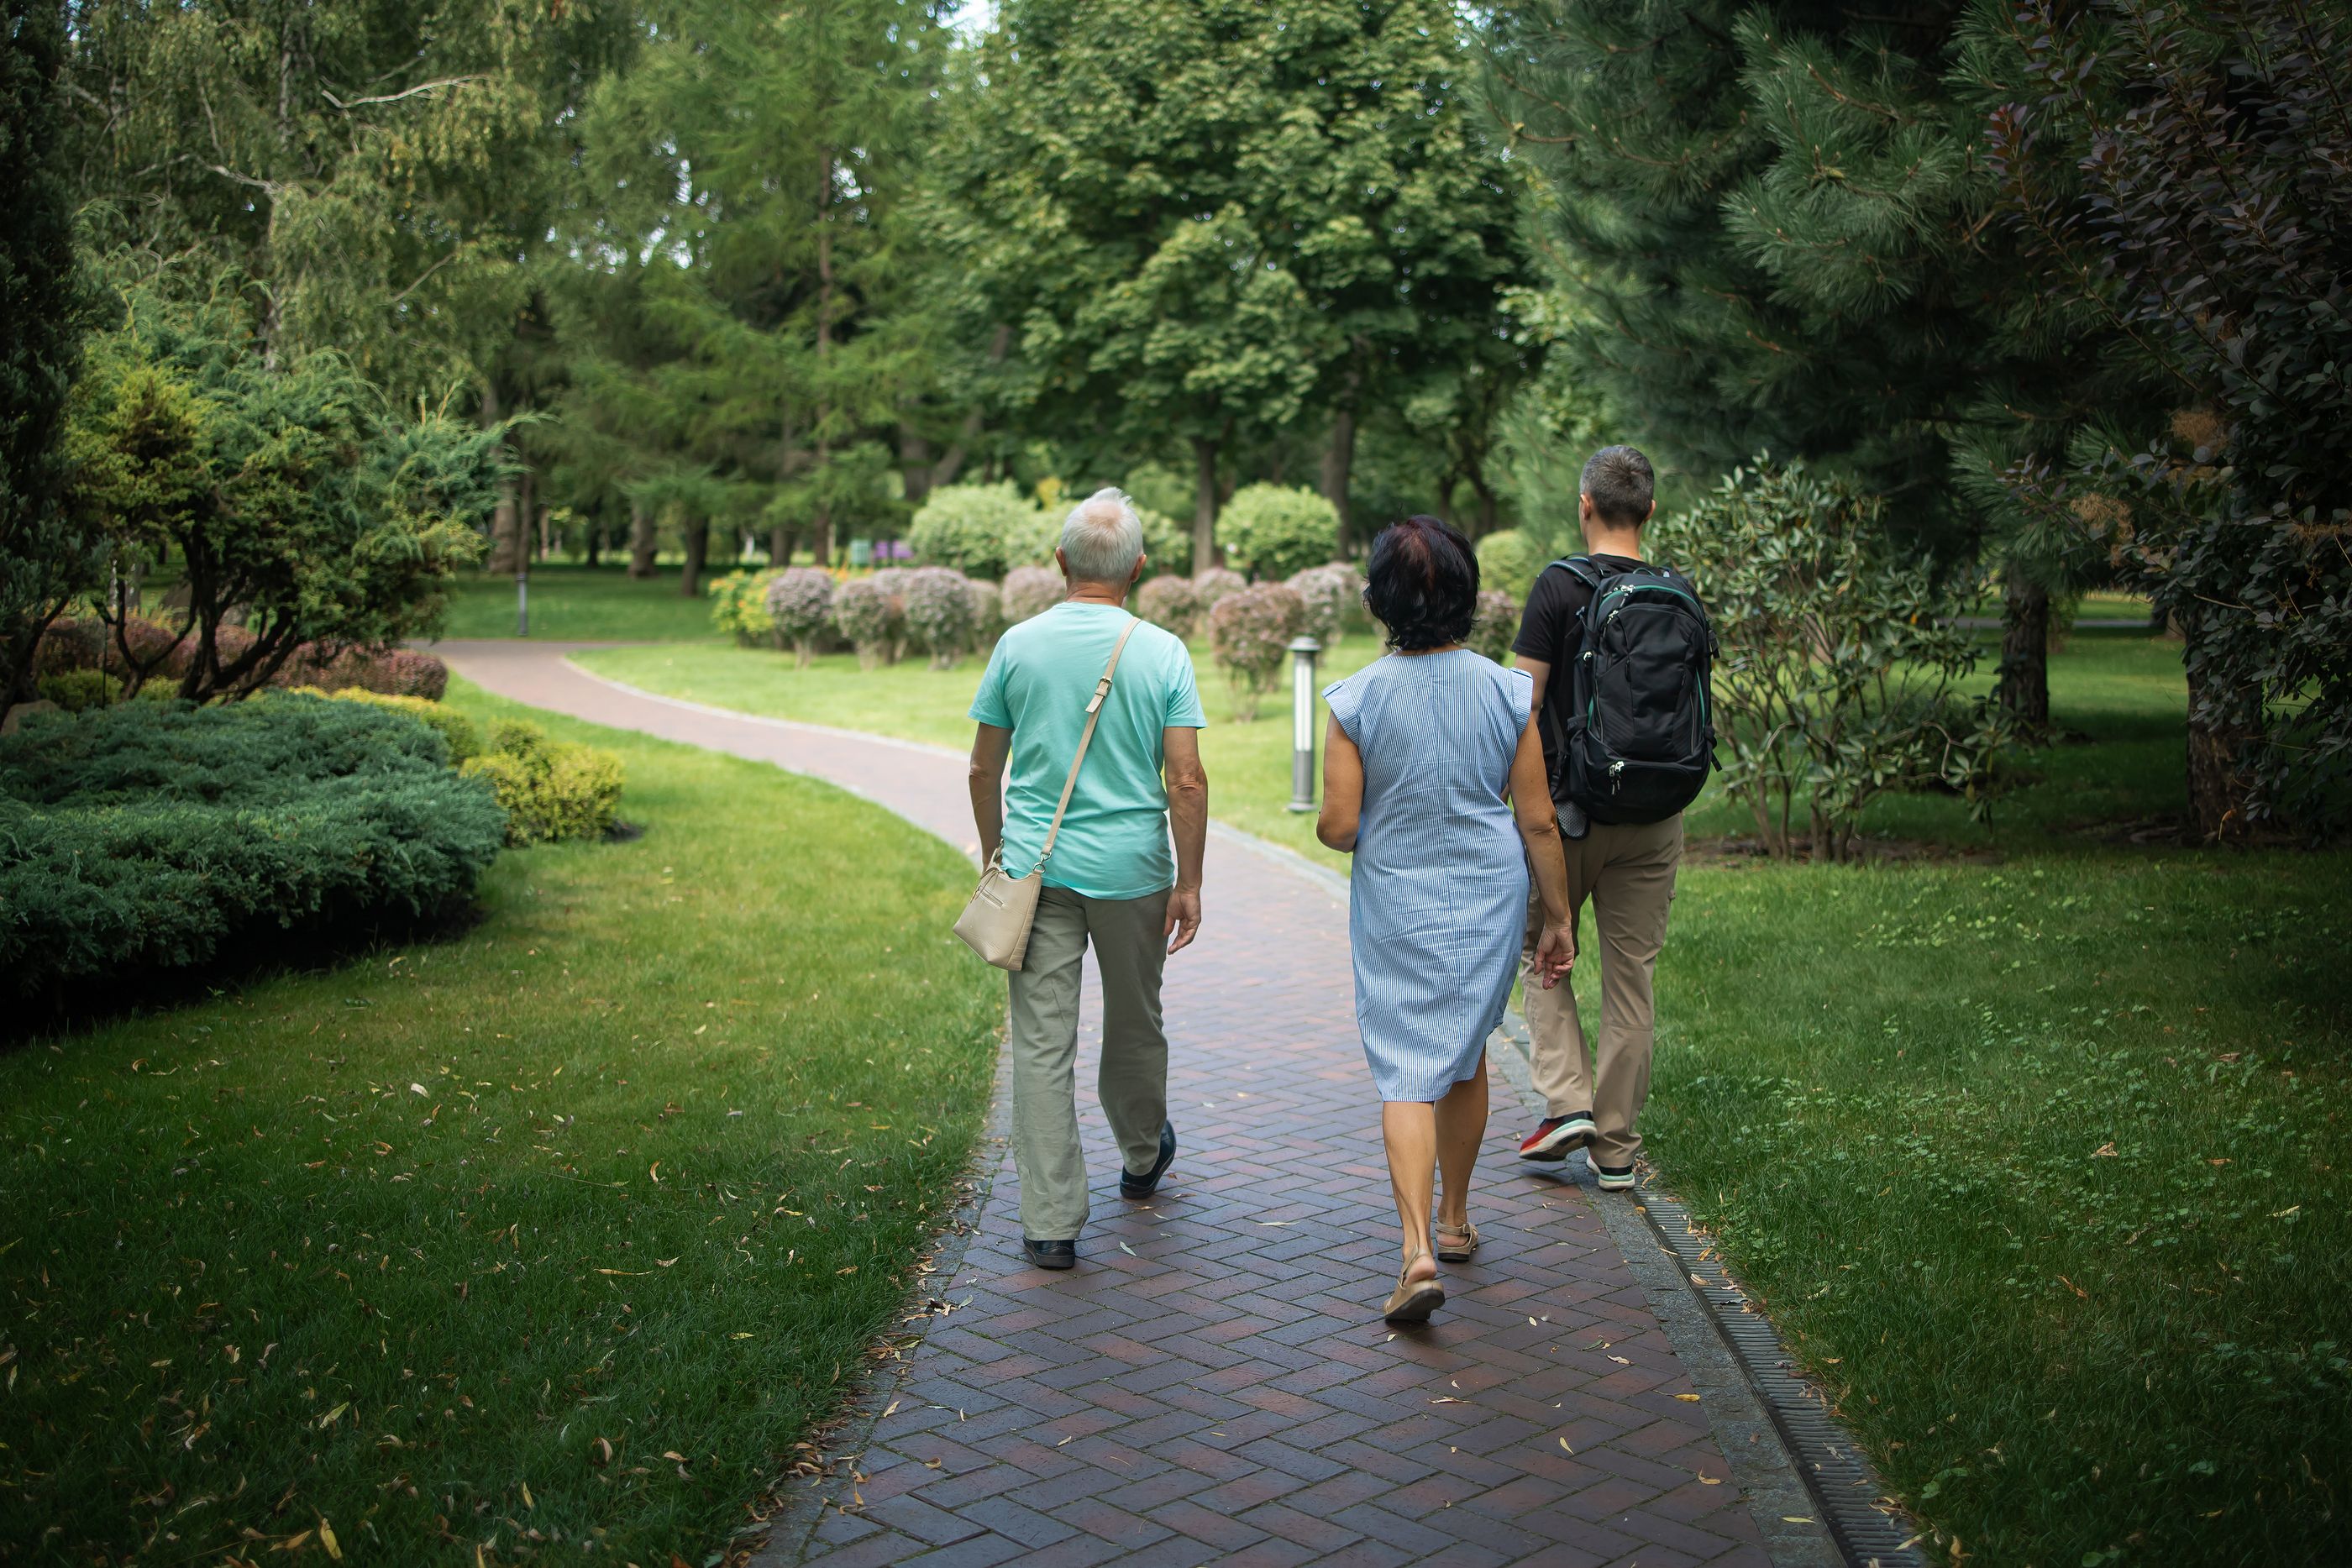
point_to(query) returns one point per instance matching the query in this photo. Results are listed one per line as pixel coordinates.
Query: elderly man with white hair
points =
(1110, 878)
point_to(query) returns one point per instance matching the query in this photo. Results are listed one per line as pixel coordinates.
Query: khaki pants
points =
(1130, 950)
(1627, 872)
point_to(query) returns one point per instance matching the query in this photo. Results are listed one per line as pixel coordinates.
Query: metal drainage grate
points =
(1833, 1470)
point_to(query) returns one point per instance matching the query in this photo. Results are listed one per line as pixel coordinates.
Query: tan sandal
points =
(1413, 1301)
(1454, 1251)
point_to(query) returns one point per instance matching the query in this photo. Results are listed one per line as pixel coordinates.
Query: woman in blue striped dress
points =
(1424, 748)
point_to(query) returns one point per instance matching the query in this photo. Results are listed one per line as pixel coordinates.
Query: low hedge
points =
(153, 837)
(456, 729)
(549, 789)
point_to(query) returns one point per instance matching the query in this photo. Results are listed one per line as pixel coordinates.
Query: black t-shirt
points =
(1552, 630)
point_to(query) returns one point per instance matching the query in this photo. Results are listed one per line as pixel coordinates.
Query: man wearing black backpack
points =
(1620, 651)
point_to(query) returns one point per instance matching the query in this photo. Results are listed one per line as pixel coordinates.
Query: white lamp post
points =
(1302, 723)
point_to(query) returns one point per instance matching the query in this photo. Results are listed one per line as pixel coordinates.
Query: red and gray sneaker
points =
(1551, 1141)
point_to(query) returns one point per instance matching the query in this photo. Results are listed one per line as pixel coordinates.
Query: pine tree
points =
(1776, 222)
(46, 553)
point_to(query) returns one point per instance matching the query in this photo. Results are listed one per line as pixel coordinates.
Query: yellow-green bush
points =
(75, 690)
(455, 730)
(550, 789)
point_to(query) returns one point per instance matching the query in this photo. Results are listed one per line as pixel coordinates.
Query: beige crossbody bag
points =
(996, 923)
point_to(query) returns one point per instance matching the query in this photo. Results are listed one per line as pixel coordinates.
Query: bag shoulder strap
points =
(1085, 737)
(1582, 567)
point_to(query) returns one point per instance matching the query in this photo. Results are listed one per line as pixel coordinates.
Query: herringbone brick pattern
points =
(1212, 1383)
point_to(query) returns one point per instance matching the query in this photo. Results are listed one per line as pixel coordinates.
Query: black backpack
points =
(1641, 740)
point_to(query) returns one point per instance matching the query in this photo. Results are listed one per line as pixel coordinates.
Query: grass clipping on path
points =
(561, 1231)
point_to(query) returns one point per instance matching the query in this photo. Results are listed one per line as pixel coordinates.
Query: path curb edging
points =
(1812, 1494)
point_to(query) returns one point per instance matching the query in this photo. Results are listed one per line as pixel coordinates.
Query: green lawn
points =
(1248, 764)
(573, 603)
(1893, 1089)
(644, 1161)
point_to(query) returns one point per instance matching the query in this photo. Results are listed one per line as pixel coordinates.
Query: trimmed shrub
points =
(154, 837)
(1170, 603)
(1272, 530)
(456, 729)
(1031, 591)
(394, 672)
(549, 789)
(1509, 560)
(800, 607)
(987, 610)
(974, 529)
(938, 613)
(739, 607)
(1329, 595)
(1250, 632)
(868, 615)
(76, 690)
(1497, 623)
(87, 644)
(1210, 586)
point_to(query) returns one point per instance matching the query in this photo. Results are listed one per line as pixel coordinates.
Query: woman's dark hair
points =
(1422, 583)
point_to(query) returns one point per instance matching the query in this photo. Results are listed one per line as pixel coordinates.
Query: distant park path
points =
(1213, 1382)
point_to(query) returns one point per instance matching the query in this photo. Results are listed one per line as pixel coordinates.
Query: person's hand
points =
(1183, 918)
(1555, 954)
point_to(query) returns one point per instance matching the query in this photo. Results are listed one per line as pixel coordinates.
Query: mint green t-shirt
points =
(1114, 840)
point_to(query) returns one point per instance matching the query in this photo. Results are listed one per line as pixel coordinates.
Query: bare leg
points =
(1409, 1127)
(1461, 1119)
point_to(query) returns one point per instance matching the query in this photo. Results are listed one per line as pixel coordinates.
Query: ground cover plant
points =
(151, 838)
(552, 1235)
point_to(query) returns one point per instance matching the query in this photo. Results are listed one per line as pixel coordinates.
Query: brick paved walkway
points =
(1213, 1382)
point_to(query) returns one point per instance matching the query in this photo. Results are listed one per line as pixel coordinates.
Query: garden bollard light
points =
(1302, 723)
(522, 601)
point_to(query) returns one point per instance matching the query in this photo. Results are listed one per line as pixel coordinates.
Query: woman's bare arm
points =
(1540, 829)
(1343, 790)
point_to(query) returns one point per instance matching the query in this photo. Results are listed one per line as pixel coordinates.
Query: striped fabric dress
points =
(1438, 902)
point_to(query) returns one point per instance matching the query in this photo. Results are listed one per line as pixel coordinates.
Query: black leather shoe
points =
(1144, 1186)
(1051, 1254)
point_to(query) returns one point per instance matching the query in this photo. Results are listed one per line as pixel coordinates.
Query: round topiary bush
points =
(867, 613)
(1498, 623)
(1250, 632)
(799, 606)
(1210, 586)
(970, 528)
(940, 613)
(1328, 593)
(1508, 560)
(1170, 603)
(1271, 530)
(739, 607)
(987, 610)
(893, 581)
(1030, 590)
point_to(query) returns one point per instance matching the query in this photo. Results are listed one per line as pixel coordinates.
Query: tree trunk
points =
(2219, 785)
(1204, 503)
(592, 539)
(2024, 685)
(914, 464)
(697, 544)
(503, 557)
(1338, 466)
(780, 546)
(645, 541)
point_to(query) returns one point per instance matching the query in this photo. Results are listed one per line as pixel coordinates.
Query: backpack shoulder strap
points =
(1581, 568)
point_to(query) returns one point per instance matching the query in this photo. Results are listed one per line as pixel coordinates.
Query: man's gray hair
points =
(1622, 485)
(1103, 538)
